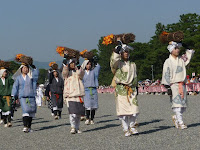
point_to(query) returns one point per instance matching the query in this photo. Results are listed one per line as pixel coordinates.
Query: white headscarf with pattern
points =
(173, 45)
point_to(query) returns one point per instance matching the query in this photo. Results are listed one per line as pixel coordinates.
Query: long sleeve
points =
(65, 72)
(96, 74)
(97, 70)
(53, 87)
(114, 62)
(135, 82)
(47, 90)
(166, 74)
(15, 89)
(35, 75)
(10, 85)
(81, 73)
(188, 56)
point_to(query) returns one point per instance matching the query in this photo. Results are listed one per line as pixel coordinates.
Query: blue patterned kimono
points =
(90, 82)
(26, 92)
(174, 73)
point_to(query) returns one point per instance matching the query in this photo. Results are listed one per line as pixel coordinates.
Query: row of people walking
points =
(77, 86)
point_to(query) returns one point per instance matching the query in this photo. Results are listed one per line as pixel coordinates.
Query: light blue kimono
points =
(90, 82)
(26, 92)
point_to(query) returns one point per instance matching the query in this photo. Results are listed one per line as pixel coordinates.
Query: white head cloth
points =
(2, 71)
(18, 72)
(172, 46)
(124, 48)
(84, 64)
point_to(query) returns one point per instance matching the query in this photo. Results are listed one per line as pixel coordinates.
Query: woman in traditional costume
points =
(6, 83)
(73, 91)
(24, 88)
(125, 83)
(90, 82)
(174, 79)
(56, 91)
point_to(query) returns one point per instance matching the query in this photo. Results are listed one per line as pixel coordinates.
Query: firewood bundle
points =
(71, 53)
(53, 65)
(24, 59)
(166, 37)
(87, 55)
(125, 38)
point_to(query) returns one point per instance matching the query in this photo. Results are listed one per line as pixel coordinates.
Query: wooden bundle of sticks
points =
(125, 38)
(87, 55)
(24, 59)
(166, 37)
(71, 53)
(54, 66)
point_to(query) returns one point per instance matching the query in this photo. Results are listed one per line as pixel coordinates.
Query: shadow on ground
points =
(102, 128)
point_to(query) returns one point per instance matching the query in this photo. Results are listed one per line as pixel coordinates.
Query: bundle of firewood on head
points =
(4, 64)
(25, 60)
(87, 55)
(53, 65)
(71, 53)
(166, 37)
(125, 38)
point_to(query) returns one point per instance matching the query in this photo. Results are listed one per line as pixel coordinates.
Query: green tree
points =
(105, 76)
(154, 52)
(13, 67)
(42, 76)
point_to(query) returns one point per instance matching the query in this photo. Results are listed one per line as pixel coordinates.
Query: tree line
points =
(147, 54)
(154, 52)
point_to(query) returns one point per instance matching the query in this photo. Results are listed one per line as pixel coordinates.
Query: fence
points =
(191, 87)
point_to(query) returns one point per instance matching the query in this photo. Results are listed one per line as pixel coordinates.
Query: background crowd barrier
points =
(191, 87)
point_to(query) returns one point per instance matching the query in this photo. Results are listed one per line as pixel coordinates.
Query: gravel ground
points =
(156, 128)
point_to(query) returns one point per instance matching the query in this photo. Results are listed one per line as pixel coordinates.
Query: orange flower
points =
(51, 63)
(83, 52)
(108, 39)
(60, 50)
(18, 56)
(165, 33)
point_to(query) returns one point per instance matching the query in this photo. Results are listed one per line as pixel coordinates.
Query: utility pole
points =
(152, 73)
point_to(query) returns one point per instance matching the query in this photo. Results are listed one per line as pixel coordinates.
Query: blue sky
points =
(37, 27)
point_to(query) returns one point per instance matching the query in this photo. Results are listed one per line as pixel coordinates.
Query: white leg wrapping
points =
(179, 111)
(132, 120)
(124, 120)
(72, 120)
